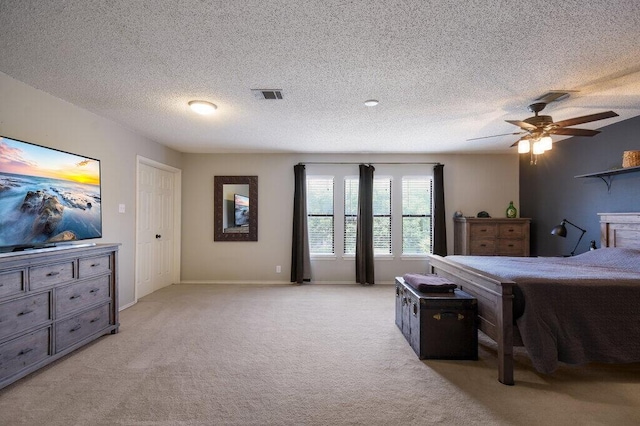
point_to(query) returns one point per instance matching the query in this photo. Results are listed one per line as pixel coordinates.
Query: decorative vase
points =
(512, 212)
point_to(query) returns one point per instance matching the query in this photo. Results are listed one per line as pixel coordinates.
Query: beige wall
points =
(34, 116)
(472, 183)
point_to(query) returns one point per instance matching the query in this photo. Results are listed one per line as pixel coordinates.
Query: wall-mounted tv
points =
(47, 196)
(241, 210)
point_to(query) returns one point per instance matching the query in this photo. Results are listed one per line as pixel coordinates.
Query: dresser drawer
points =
(24, 313)
(11, 283)
(510, 247)
(94, 266)
(482, 230)
(73, 330)
(26, 350)
(77, 296)
(506, 230)
(482, 247)
(50, 275)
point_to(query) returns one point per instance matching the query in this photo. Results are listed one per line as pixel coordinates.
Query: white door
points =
(155, 239)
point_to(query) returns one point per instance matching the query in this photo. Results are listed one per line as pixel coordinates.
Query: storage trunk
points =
(438, 325)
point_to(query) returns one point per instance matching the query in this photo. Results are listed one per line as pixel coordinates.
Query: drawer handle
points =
(483, 230)
(75, 296)
(94, 290)
(415, 310)
(53, 274)
(511, 230)
(25, 351)
(483, 245)
(95, 264)
(1, 285)
(76, 328)
(510, 245)
(94, 320)
(24, 313)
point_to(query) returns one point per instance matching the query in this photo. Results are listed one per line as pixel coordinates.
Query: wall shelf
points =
(608, 175)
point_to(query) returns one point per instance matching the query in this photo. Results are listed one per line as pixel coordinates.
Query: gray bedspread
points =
(578, 309)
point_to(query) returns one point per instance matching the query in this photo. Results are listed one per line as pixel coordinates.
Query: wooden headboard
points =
(620, 230)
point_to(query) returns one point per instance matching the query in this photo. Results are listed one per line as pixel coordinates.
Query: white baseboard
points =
(128, 305)
(229, 282)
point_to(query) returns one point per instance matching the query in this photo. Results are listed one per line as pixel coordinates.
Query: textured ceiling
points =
(443, 71)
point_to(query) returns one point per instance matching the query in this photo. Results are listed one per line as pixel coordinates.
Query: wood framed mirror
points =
(235, 208)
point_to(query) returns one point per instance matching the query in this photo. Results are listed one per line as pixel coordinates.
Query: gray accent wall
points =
(549, 192)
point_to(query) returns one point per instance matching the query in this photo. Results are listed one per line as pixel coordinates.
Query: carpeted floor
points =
(308, 355)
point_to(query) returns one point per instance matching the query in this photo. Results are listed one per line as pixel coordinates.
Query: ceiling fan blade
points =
(553, 95)
(522, 124)
(574, 132)
(585, 119)
(495, 136)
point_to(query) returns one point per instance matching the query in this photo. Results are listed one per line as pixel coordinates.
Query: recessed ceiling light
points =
(203, 107)
(371, 102)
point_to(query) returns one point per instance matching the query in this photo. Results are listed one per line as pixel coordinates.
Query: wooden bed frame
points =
(495, 294)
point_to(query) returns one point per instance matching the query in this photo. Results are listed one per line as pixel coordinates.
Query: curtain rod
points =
(367, 162)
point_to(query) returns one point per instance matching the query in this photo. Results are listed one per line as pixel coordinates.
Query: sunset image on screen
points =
(32, 160)
(47, 196)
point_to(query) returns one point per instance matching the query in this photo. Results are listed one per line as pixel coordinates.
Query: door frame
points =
(177, 219)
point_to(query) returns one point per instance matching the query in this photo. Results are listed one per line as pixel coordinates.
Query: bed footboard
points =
(495, 307)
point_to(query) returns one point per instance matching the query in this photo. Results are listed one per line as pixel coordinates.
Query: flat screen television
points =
(241, 210)
(47, 197)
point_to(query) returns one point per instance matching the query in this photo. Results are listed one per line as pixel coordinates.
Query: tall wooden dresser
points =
(53, 302)
(491, 236)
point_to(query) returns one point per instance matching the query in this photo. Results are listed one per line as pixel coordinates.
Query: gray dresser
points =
(52, 302)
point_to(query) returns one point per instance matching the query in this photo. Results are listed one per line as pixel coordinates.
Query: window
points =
(320, 214)
(416, 214)
(381, 215)
(402, 222)
(350, 214)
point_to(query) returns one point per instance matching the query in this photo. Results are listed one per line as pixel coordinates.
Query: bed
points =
(574, 310)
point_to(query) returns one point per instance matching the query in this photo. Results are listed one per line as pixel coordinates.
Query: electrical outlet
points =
(278, 269)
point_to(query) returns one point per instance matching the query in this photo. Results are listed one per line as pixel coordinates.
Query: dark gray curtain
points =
(364, 230)
(300, 258)
(439, 218)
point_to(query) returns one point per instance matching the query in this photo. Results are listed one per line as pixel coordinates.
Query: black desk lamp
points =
(561, 231)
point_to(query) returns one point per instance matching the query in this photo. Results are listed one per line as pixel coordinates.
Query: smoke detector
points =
(267, 94)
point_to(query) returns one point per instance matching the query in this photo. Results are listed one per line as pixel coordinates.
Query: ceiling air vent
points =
(262, 94)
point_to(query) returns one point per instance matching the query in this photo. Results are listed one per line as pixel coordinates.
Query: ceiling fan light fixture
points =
(371, 102)
(537, 148)
(202, 107)
(546, 143)
(524, 146)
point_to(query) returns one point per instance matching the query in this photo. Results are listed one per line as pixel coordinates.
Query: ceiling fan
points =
(537, 130)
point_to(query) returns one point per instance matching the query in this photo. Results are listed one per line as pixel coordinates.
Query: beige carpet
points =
(316, 355)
